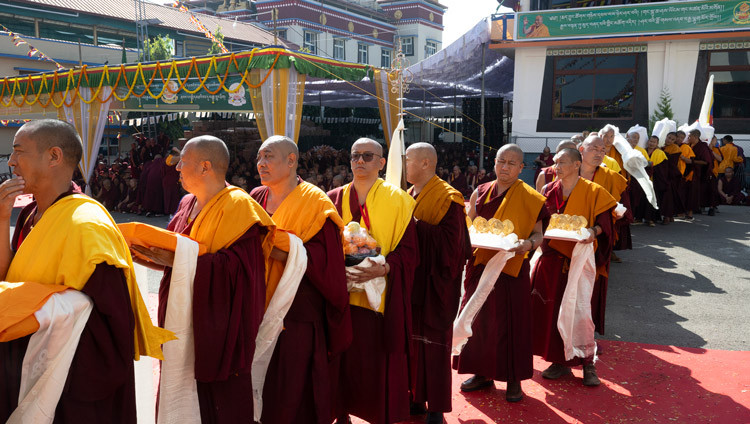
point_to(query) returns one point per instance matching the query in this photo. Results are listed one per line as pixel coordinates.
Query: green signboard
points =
(640, 19)
(182, 101)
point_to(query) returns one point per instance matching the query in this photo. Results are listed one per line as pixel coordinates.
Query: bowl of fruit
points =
(358, 244)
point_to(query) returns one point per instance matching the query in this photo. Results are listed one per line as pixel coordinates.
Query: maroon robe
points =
(500, 345)
(459, 183)
(701, 192)
(443, 249)
(624, 239)
(549, 174)
(548, 163)
(550, 277)
(317, 329)
(170, 181)
(374, 382)
(153, 194)
(100, 386)
(675, 183)
(732, 188)
(228, 304)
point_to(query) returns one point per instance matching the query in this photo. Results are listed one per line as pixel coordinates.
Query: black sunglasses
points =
(367, 156)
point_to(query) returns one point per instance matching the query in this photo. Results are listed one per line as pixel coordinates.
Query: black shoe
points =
(514, 393)
(417, 408)
(589, 376)
(476, 383)
(555, 371)
(711, 211)
(434, 418)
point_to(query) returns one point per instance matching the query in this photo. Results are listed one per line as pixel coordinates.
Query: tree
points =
(215, 47)
(159, 48)
(663, 109)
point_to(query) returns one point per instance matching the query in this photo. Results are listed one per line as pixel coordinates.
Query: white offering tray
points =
(492, 241)
(567, 235)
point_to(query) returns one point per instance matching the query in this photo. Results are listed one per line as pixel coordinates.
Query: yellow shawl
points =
(611, 164)
(613, 182)
(687, 151)
(390, 210)
(74, 235)
(521, 205)
(434, 200)
(657, 157)
(303, 213)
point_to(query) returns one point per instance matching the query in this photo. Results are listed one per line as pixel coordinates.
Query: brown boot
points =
(555, 371)
(514, 393)
(589, 376)
(476, 383)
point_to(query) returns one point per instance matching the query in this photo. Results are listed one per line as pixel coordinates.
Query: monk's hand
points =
(156, 255)
(9, 190)
(591, 237)
(279, 255)
(522, 246)
(367, 273)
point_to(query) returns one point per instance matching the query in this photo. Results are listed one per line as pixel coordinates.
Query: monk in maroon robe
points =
(170, 181)
(374, 382)
(229, 284)
(153, 194)
(443, 248)
(730, 189)
(317, 327)
(100, 386)
(573, 195)
(457, 179)
(500, 345)
(673, 200)
(703, 166)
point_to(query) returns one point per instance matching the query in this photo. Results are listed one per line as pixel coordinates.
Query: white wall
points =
(527, 89)
(671, 65)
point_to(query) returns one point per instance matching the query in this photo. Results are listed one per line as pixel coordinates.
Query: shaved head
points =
(373, 145)
(283, 145)
(211, 149)
(423, 151)
(565, 144)
(511, 148)
(592, 139)
(48, 133)
(572, 154)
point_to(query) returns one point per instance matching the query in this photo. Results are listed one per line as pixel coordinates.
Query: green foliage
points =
(663, 109)
(215, 48)
(159, 48)
(172, 129)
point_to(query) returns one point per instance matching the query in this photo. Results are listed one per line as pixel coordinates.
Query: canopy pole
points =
(455, 113)
(481, 118)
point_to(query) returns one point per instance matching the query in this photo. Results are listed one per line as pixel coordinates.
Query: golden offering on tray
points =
(567, 222)
(493, 226)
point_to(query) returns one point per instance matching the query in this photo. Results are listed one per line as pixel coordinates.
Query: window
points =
(407, 45)
(430, 48)
(281, 33)
(600, 86)
(385, 58)
(311, 42)
(18, 24)
(731, 71)
(116, 38)
(362, 50)
(339, 49)
(66, 32)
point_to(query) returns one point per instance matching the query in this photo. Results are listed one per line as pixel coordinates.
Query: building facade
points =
(363, 31)
(579, 68)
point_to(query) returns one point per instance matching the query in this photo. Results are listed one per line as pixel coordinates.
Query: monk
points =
(573, 195)
(730, 152)
(500, 347)
(374, 383)
(537, 29)
(718, 158)
(229, 285)
(701, 193)
(672, 203)
(623, 239)
(730, 190)
(686, 169)
(66, 240)
(457, 179)
(637, 195)
(547, 175)
(608, 135)
(317, 327)
(153, 195)
(592, 151)
(444, 247)
(170, 182)
(658, 170)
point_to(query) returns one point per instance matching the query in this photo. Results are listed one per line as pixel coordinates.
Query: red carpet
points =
(640, 383)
